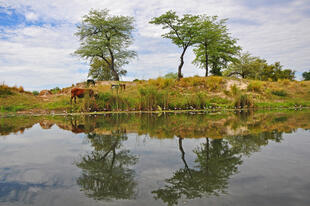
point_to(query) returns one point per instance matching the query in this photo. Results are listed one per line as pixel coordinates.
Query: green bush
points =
(55, 90)
(35, 93)
(280, 93)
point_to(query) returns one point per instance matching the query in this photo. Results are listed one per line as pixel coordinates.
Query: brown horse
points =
(77, 92)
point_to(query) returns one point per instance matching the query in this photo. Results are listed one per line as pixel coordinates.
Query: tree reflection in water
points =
(106, 172)
(215, 163)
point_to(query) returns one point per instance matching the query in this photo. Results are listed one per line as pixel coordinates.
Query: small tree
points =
(246, 66)
(106, 38)
(180, 30)
(213, 45)
(306, 76)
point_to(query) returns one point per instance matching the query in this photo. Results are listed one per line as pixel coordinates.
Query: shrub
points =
(161, 82)
(280, 93)
(255, 86)
(214, 83)
(55, 90)
(5, 90)
(21, 89)
(171, 75)
(35, 93)
(243, 101)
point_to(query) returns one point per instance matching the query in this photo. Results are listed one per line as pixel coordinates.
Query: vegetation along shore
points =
(163, 93)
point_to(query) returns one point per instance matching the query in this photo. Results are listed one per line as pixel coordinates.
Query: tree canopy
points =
(213, 45)
(181, 31)
(105, 40)
(251, 67)
(306, 76)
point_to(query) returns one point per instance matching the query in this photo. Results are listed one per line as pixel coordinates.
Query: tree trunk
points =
(115, 74)
(207, 58)
(181, 63)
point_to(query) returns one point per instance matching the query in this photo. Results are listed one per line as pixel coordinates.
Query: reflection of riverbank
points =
(168, 125)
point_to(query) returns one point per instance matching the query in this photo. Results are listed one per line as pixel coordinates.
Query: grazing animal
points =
(77, 92)
(90, 81)
(117, 86)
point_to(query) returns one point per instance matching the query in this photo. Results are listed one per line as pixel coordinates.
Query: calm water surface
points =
(243, 158)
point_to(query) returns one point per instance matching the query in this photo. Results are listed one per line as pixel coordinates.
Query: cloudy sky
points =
(37, 36)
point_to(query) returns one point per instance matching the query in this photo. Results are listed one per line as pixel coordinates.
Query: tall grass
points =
(151, 98)
(255, 86)
(243, 101)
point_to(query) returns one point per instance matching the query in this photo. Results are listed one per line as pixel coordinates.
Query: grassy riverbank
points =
(193, 93)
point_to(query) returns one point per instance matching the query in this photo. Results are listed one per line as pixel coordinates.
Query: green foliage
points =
(151, 97)
(161, 82)
(55, 90)
(106, 38)
(100, 70)
(256, 68)
(243, 101)
(213, 45)
(181, 31)
(35, 93)
(306, 76)
(280, 93)
(171, 75)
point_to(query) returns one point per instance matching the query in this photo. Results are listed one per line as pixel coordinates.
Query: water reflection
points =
(107, 171)
(214, 164)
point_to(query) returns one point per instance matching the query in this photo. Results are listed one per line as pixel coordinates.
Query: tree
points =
(246, 66)
(180, 30)
(251, 67)
(100, 70)
(106, 38)
(306, 76)
(213, 45)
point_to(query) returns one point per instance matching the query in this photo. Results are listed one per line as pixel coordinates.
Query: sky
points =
(37, 37)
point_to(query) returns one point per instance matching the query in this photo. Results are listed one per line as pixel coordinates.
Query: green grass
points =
(280, 93)
(191, 93)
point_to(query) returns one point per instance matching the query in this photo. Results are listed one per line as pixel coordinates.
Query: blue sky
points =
(37, 36)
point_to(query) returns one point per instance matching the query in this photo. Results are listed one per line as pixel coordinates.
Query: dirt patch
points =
(239, 83)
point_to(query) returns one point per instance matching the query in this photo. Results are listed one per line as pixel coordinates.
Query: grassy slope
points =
(188, 93)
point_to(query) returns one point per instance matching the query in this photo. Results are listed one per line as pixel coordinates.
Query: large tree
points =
(107, 38)
(181, 31)
(214, 46)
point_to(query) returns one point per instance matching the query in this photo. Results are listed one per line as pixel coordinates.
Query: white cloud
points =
(280, 33)
(30, 16)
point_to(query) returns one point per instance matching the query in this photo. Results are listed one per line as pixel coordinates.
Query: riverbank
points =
(188, 94)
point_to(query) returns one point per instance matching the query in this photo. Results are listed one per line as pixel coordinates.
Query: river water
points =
(221, 158)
